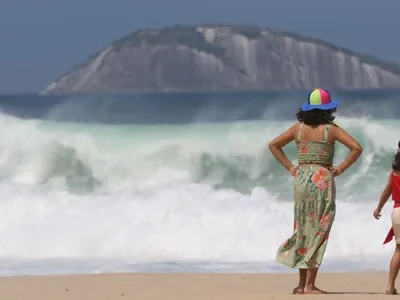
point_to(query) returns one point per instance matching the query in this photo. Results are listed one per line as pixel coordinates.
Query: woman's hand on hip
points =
(336, 171)
(293, 171)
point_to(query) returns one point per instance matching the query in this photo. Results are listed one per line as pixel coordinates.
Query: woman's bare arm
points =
(276, 145)
(384, 197)
(355, 148)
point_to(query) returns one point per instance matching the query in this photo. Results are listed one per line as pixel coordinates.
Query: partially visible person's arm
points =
(384, 197)
(276, 145)
(355, 149)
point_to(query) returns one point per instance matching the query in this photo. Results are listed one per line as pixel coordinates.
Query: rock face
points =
(223, 58)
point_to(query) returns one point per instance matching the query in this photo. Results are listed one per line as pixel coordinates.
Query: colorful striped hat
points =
(319, 99)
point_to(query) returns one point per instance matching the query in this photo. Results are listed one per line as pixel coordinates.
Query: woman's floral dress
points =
(314, 205)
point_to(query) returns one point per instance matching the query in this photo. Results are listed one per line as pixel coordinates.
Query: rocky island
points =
(211, 58)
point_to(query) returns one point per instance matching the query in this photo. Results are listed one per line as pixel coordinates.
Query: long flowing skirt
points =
(314, 213)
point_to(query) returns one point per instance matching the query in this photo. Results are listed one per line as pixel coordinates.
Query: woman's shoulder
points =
(395, 173)
(334, 128)
(295, 129)
(296, 126)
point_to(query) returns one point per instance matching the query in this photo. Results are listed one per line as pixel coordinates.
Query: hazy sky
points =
(41, 39)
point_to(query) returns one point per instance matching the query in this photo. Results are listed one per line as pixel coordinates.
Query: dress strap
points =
(326, 133)
(299, 134)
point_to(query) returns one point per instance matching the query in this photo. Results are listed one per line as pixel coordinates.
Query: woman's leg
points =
(394, 270)
(302, 282)
(310, 287)
(395, 261)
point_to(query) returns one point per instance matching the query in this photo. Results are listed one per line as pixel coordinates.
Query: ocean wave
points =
(88, 158)
(204, 193)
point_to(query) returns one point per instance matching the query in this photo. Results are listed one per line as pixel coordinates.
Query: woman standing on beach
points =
(314, 188)
(392, 188)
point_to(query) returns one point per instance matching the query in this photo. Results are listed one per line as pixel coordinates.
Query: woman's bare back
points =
(315, 133)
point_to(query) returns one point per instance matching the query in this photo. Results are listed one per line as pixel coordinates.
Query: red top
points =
(396, 199)
(395, 187)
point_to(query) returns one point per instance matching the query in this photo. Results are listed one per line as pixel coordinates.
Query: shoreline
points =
(191, 286)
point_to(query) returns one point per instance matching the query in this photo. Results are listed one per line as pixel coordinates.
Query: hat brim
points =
(332, 105)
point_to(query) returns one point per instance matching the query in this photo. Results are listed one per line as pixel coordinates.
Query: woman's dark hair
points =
(316, 116)
(396, 159)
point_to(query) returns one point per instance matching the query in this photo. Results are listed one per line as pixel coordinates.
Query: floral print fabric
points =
(314, 205)
(314, 213)
(315, 152)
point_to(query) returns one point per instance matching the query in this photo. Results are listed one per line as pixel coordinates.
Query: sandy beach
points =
(187, 286)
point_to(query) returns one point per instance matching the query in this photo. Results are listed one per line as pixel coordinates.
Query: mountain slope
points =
(224, 58)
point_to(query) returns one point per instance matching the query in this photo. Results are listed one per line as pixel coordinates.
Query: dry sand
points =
(188, 286)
